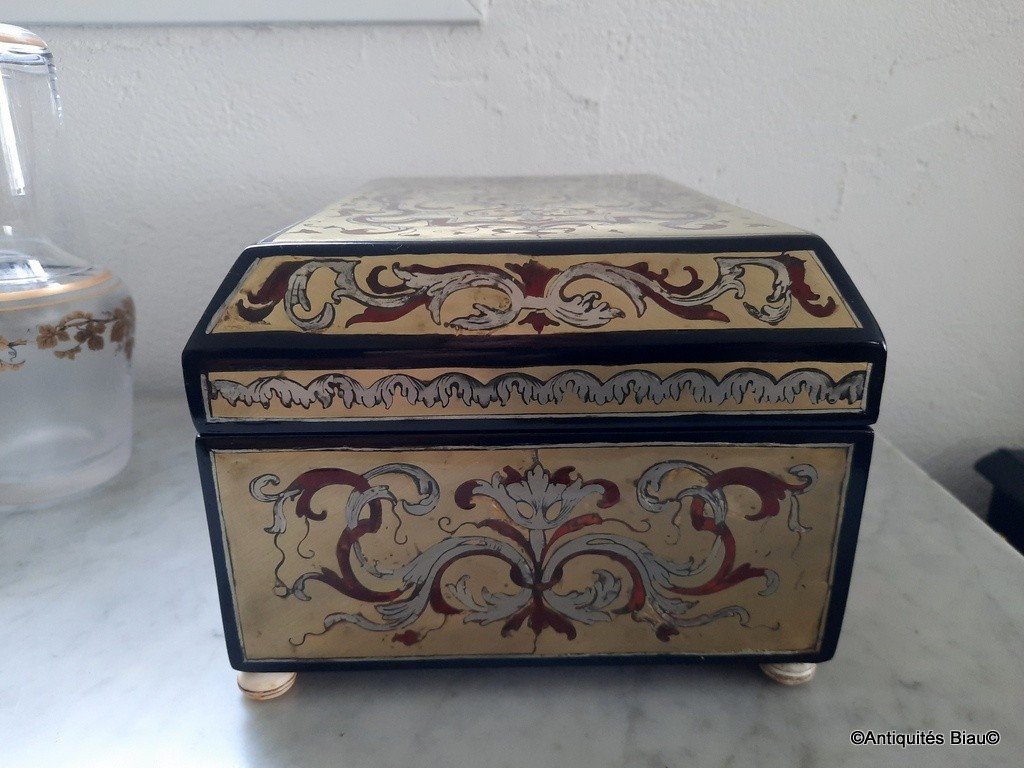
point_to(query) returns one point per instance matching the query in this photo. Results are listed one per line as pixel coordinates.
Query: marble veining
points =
(114, 654)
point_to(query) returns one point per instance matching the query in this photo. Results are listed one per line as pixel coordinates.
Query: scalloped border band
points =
(313, 395)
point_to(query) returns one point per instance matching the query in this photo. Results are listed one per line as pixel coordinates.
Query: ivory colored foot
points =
(790, 674)
(262, 686)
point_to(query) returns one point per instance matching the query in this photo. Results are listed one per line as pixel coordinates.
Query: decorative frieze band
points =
(584, 390)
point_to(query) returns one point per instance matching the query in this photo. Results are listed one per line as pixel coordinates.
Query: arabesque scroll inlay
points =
(532, 294)
(548, 519)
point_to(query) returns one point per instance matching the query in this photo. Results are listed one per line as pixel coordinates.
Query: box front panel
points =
(349, 554)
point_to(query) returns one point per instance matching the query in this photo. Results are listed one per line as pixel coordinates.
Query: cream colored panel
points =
(554, 551)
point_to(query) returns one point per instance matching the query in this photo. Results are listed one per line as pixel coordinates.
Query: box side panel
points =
(380, 553)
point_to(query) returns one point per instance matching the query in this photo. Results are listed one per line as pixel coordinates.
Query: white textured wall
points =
(893, 129)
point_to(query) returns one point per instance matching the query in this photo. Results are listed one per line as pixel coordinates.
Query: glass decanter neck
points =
(32, 178)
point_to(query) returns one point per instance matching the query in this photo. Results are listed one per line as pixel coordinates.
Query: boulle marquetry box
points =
(533, 419)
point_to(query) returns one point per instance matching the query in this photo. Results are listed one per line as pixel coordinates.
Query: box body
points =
(368, 551)
(526, 420)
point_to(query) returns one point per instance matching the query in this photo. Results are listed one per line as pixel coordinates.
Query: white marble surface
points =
(112, 654)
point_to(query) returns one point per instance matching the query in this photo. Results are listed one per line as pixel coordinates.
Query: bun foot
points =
(261, 686)
(790, 674)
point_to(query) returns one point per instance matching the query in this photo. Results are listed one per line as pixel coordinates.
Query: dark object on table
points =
(1005, 470)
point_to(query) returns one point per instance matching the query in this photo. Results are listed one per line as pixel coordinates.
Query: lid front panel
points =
(527, 295)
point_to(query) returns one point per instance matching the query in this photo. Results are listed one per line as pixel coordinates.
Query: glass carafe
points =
(66, 327)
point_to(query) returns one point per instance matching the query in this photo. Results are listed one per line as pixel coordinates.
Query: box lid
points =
(511, 303)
